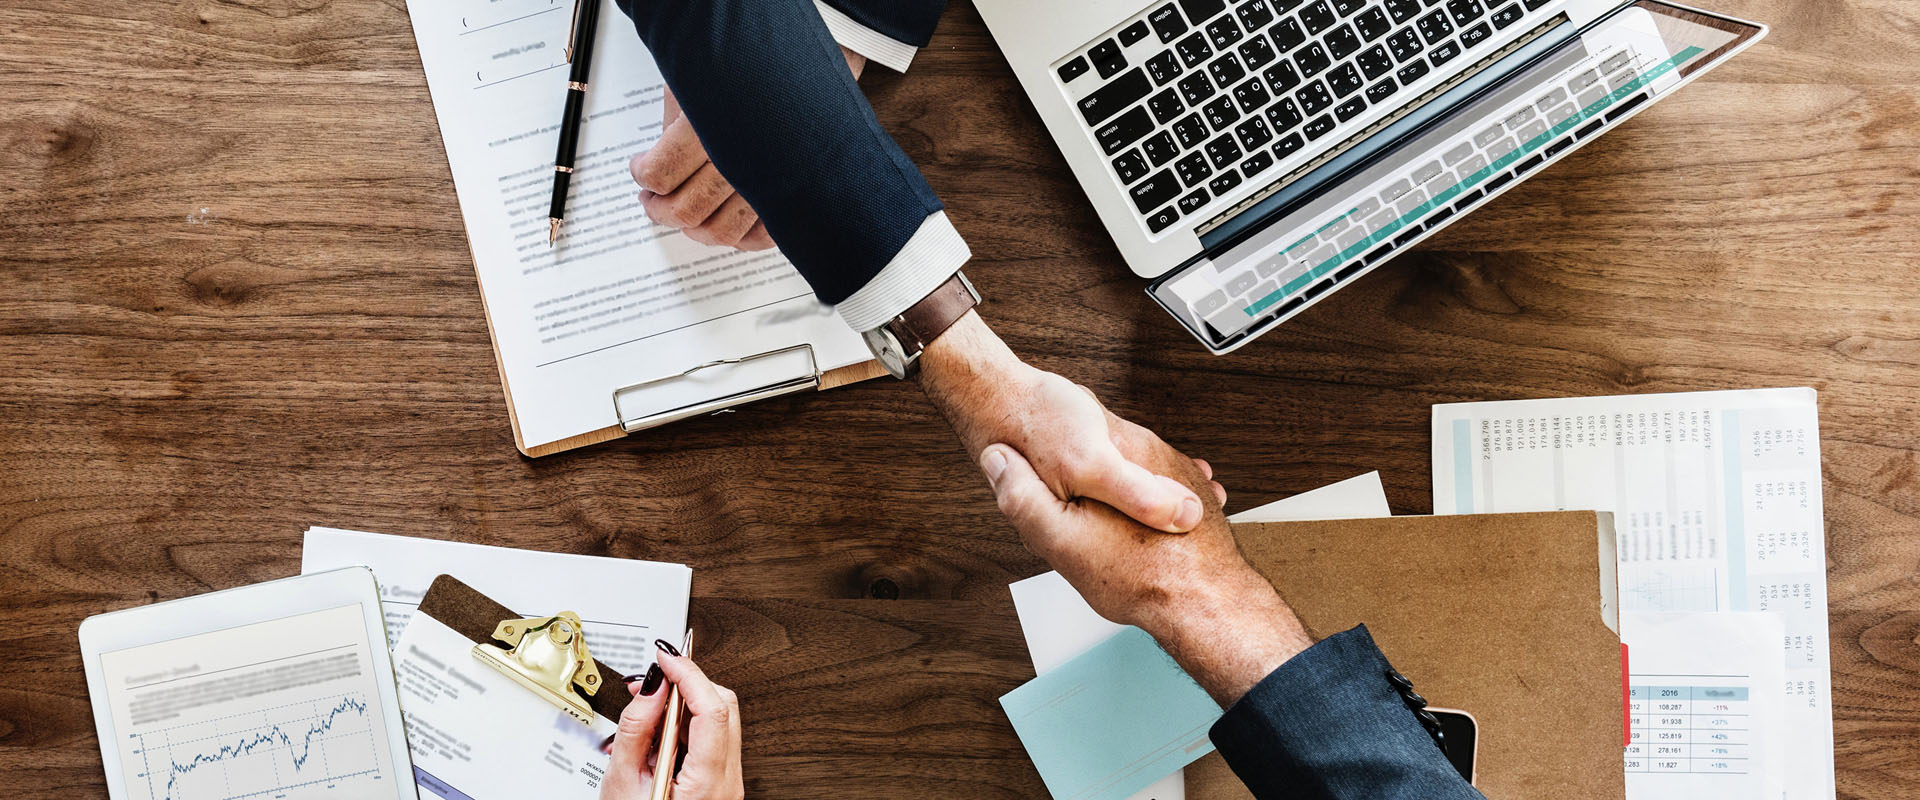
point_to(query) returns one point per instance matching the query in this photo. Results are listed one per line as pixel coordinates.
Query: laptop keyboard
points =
(1427, 192)
(1197, 97)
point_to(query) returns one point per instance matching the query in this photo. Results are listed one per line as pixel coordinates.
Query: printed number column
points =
(1637, 705)
(1669, 728)
(1721, 730)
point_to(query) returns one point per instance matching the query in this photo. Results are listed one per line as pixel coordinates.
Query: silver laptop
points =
(1251, 156)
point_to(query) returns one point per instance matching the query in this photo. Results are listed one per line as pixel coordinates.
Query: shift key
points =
(1155, 192)
(1114, 97)
(1127, 129)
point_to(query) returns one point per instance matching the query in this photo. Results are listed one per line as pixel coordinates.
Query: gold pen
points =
(663, 762)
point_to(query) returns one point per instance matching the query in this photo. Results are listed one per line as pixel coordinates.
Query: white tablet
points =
(282, 689)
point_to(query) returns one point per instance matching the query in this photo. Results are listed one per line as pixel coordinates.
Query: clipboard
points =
(479, 618)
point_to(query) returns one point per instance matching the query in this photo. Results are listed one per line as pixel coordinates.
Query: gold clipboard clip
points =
(810, 379)
(548, 655)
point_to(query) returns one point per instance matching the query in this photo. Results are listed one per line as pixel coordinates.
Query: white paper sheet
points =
(477, 735)
(1058, 623)
(1717, 500)
(625, 603)
(1705, 714)
(619, 300)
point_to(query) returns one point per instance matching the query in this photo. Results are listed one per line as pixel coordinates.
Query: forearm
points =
(1228, 634)
(965, 372)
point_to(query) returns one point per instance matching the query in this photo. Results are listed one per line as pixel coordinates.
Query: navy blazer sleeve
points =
(1327, 725)
(907, 21)
(765, 86)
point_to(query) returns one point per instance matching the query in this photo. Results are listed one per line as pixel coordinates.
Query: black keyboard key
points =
(1201, 10)
(1476, 34)
(1350, 109)
(1403, 10)
(1257, 52)
(1193, 50)
(1374, 62)
(1444, 53)
(1287, 35)
(1282, 77)
(1534, 5)
(1253, 133)
(1107, 59)
(1342, 42)
(1254, 15)
(1435, 27)
(1165, 106)
(1312, 60)
(1287, 145)
(1556, 148)
(1507, 16)
(1160, 220)
(1497, 181)
(1130, 166)
(1344, 80)
(1164, 67)
(1408, 234)
(1133, 33)
(1193, 201)
(1124, 130)
(1588, 129)
(1226, 70)
(1167, 23)
(1114, 97)
(1433, 220)
(1221, 113)
(1319, 127)
(1159, 148)
(1373, 24)
(1223, 33)
(1193, 169)
(1381, 91)
(1191, 130)
(1528, 165)
(1627, 107)
(1466, 200)
(1073, 69)
(1464, 11)
(1196, 88)
(1315, 98)
(1317, 17)
(1413, 71)
(1405, 45)
(1252, 95)
(1317, 289)
(1347, 8)
(1256, 163)
(1155, 192)
(1284, 115)
(1224, 182)
(1222, 151)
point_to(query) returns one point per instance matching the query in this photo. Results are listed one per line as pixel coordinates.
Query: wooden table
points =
(237, 301)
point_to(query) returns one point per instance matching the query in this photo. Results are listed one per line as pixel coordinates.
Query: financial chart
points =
(291, 714)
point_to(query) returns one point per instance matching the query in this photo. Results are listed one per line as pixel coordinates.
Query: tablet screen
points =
(287, 708)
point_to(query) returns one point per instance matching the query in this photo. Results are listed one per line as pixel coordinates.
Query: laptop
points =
(1250, 157)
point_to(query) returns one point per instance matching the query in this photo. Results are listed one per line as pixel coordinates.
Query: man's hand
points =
(679, 186)
(1216, 615)
(1077, 448)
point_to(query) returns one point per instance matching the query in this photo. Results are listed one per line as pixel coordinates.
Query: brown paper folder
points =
(1499, 615)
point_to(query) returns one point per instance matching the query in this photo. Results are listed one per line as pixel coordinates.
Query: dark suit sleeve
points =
(907, 21)
(765, 86)
(1328, 725)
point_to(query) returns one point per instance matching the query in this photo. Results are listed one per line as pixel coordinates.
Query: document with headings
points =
(1717, 499)
(619, 300)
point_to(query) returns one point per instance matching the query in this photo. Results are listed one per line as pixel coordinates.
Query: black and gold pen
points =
(586, 13)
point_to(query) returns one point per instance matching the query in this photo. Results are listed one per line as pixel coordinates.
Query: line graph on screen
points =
(320, 747)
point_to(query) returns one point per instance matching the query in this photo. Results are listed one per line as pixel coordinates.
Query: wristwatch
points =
(898, 343)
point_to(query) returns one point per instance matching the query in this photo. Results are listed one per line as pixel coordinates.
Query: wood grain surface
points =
(236, 300)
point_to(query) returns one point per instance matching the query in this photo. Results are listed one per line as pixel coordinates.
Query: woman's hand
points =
(711, 769)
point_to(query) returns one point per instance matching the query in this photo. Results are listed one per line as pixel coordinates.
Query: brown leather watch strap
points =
(924, 321)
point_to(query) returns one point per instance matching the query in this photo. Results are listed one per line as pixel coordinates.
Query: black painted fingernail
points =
(634, 677)
(662, 644)
(652, 682)
(607, 745)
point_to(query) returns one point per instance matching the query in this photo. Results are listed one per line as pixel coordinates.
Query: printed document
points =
(625, 603)
(1716, 496)
(619, 300)
(1704, 705)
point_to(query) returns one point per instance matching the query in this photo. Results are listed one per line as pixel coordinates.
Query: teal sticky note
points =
(1113, 720)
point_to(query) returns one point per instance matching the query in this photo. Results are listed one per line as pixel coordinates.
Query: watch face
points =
(886, 350)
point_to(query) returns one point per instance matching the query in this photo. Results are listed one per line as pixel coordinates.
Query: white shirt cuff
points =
(877, 47)
(928, 259)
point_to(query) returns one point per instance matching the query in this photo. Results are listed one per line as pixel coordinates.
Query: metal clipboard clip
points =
(808, 380)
